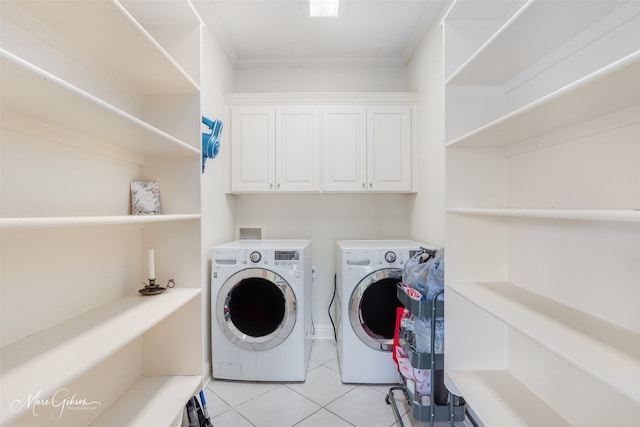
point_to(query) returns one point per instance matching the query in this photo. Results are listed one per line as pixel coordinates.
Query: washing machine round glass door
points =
(256, 309)
(372, 308)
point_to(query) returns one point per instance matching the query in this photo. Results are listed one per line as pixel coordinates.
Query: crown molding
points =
(321, 98)
(318, 62)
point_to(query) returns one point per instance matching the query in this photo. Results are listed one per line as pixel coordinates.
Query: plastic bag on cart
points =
(422, 328)
(435, 275)
(414, 274)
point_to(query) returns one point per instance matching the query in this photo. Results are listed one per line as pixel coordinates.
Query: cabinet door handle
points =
(371, 185)
(278, 185)
(271, 185)
(363, 185)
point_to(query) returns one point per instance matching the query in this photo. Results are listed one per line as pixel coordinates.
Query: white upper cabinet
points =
(275, 149)
(321, 142)
(345, 149)
(297, 148)
(253, 149)
(367, 149)
(389, 148)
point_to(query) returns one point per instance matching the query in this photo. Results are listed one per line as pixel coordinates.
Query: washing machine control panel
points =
(376, 258)
(264, 257)
(390, 256)
(393, 257)
(286, 258)
(286, 255)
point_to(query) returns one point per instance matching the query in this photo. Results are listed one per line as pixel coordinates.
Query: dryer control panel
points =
(225, 257)
(386, 257)
(256, 257)
(286, 258)
(357, 257)
(391, 257)
(267, 257)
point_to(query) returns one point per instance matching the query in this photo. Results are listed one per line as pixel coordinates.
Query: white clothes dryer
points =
(261, 314)
(368, 272)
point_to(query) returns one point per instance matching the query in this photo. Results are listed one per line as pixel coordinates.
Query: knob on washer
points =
(255, 256)
(390, 256)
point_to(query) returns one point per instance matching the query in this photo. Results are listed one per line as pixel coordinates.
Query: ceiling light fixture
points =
(323, 8)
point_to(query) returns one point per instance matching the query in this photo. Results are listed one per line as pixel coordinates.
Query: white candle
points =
(152, 266)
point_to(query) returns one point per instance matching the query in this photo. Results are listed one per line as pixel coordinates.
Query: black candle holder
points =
(152, 289)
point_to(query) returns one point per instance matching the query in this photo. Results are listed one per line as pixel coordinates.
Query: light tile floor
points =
(321, 401)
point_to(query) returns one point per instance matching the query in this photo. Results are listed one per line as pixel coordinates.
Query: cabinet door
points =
(345, 149)
(297, 148)
(389, 148)
(253, 149)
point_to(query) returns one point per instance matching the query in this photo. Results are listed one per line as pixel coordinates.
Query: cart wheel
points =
(386, 399)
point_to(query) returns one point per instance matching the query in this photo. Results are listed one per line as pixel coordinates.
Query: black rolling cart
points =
(443, 405)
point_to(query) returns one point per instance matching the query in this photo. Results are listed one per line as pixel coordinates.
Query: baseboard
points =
(207, 373)
(323, 332)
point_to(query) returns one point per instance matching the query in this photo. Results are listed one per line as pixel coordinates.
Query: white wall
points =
(312, 77)
(426, 77)
(217, 207)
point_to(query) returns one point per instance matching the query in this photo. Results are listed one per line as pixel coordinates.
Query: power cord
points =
(335, 285)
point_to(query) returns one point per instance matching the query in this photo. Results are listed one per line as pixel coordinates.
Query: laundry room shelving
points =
(543, 210)
(95, 95)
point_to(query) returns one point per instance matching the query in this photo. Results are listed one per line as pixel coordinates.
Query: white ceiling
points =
(281, 31)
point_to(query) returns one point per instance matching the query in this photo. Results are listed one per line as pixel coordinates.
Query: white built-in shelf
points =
(30, 91)
(468, 24)
(614, 215)
(615, 87)
(530, 84)
(151, 401)
(601, 349)
(75, 221)
(524, 41)
(163, 13)
(52, 358)
(501, 400)
(471, 11)
(120, 46)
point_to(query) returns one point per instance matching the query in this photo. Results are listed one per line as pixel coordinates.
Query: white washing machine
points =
(367, 274)
(261, 314)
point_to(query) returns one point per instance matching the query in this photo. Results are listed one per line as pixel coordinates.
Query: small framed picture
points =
(145, 198)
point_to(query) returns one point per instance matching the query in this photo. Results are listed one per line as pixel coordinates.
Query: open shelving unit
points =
(33, 92)
(41, 361)
(95, 95)
(565, 107)
(169, 389)
(80, 221)
(621, 215)
(109, 29)
(582, 339)
(543, 210)
(503, 400)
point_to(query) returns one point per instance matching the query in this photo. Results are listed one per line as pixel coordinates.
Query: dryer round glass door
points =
(372, 308)
(256, 309)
